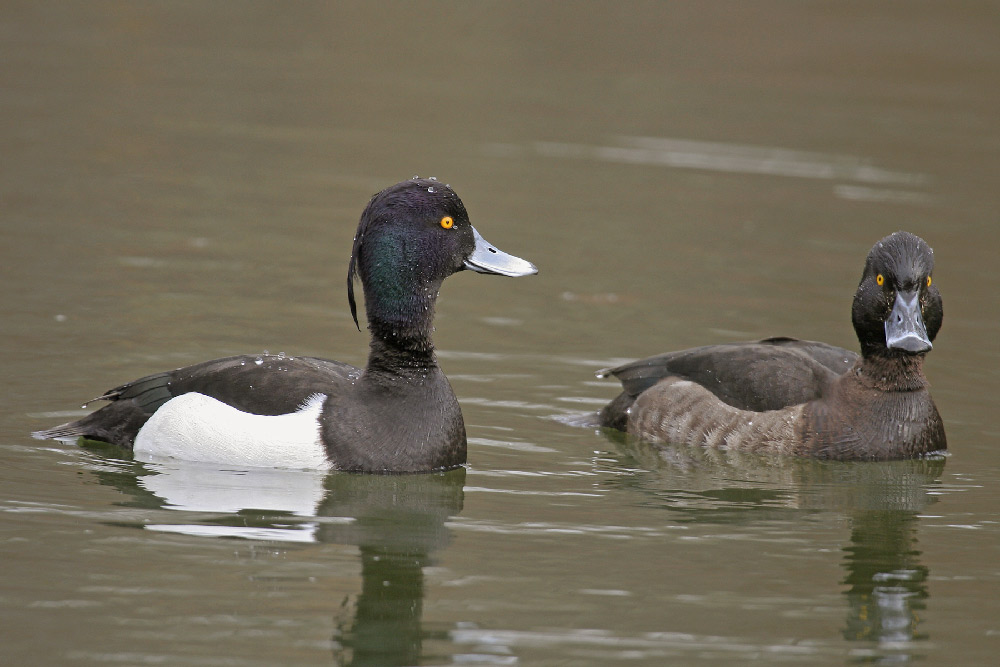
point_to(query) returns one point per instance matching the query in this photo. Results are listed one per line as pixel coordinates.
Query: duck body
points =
(805, 398)
(398, 414)
(758, 376)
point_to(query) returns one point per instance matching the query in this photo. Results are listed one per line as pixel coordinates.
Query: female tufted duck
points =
(787, 396)
(399, 414)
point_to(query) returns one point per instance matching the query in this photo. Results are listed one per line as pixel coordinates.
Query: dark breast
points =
(404, 426)
(856, 422)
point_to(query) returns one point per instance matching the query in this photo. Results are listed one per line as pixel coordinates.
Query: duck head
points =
(897, 308)
(411, 237)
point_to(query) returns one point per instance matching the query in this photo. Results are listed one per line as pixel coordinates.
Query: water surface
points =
(181, 181)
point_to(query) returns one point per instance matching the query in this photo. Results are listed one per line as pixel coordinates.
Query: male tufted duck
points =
(399, 414)
(787, 396)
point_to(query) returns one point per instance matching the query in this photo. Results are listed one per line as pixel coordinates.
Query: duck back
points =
(763, 375)
(264, 384)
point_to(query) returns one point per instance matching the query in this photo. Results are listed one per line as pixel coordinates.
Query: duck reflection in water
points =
(886, 583)
(400, 523)
(396, 521)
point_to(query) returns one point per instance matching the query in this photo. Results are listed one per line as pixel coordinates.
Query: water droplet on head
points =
(433, 178)
(430, 189)
(258, 361)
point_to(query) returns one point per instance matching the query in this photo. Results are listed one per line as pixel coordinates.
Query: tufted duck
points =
(399, 414)
(787, 396)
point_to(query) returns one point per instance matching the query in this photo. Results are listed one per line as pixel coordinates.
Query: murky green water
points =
(181, 181)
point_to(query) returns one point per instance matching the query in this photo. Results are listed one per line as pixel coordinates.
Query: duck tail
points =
(117, 422)
(69, 431)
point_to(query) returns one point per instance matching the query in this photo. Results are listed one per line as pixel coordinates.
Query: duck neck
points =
(401, 333)
(892, 371)
(389, 358)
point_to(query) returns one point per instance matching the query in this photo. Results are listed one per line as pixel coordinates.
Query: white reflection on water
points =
(612, 646)
(303, 532)
(724, 157)
(511, 445)
(197, 487)
(203, 488)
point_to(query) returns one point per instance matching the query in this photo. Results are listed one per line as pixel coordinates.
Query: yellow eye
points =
(880, 279)
(447, 222)
(928, 281)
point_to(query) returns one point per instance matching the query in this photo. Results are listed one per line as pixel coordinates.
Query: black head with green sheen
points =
(897, 309)
(411, 237)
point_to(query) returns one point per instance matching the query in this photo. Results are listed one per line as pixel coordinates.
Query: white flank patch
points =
(195, 427)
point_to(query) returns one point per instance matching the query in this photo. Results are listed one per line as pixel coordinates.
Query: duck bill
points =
(905, 330)
(486, 258)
